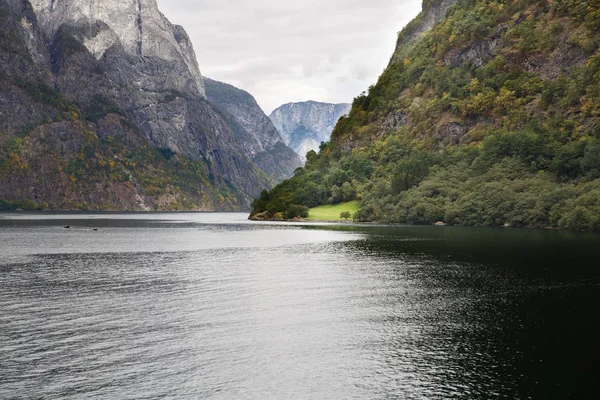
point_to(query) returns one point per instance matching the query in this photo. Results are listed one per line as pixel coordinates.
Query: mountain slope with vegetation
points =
(106, 110)
(487, 115)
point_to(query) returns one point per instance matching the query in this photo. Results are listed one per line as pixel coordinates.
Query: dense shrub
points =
(295, 211)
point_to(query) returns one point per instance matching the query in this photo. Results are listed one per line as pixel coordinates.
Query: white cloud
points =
(282, 51)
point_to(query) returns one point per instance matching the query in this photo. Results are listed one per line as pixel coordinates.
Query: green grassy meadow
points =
(332, 212)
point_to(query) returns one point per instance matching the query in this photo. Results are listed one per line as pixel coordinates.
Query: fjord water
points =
(193, 306)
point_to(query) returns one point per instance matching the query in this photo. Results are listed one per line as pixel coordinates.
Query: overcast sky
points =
(284, 51)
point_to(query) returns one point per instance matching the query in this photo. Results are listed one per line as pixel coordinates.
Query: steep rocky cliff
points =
(119, 87)
(488, 114)
(137, 26)
(253, 130)
(305, 125)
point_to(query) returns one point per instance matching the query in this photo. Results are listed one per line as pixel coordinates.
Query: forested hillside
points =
(487, 115)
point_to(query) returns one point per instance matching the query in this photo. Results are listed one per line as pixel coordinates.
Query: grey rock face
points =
(479, 52)
(450, 133)
(137, 25)
(110, 57)
(130, 56)
(253, 130)
(23, 57)
(304, 126)
(395, 120)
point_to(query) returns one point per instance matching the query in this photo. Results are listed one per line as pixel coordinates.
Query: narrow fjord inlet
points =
(365, 200)
(211, 306)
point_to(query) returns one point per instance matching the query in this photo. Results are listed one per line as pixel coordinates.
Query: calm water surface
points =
(195, 306)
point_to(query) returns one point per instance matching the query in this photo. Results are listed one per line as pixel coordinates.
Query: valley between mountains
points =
(487, 115)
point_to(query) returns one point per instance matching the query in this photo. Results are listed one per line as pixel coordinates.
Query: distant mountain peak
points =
(304, 125)
(253, 130)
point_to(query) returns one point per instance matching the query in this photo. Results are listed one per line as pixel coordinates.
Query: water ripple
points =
(150, 310)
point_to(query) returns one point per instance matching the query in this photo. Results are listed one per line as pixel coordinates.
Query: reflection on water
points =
(190, 306)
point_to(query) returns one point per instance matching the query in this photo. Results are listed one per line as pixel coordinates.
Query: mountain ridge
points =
(99, 119)
(255, 132)
(489, 116)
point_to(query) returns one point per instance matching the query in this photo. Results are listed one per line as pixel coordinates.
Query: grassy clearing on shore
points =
(332, 212)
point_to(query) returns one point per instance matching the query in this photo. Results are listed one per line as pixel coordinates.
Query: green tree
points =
(295, 211)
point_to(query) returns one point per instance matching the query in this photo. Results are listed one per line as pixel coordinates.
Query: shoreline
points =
(406, 225)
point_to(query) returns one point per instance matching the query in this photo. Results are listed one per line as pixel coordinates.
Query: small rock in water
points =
(440, 223)
(67, 227)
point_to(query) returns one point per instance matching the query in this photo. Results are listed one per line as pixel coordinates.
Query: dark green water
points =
(191, 306)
